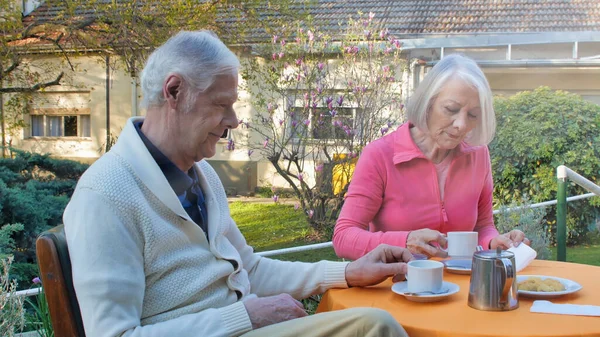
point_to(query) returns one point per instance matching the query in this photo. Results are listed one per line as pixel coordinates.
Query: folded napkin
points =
(523, 256)
(548, 307)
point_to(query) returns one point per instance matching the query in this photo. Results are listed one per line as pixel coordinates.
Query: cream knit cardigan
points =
(142, 267)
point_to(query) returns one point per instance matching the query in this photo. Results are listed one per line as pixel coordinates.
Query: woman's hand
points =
(507, 240)
(420, 242)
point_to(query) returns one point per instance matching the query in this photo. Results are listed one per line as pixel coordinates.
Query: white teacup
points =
(424, 275)
(462, 244)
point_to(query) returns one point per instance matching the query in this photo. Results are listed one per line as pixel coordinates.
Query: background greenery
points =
(34, 191)
(538, 131)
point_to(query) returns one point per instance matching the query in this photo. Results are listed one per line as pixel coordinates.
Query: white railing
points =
(32, 292)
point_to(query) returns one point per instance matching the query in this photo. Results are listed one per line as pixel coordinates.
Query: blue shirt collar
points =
(179, 180)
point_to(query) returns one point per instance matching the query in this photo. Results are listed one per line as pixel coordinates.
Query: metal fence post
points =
(561, 214)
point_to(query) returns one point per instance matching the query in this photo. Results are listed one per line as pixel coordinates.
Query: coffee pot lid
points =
(492, 254)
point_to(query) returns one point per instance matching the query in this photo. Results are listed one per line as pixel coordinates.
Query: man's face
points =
(211, 113)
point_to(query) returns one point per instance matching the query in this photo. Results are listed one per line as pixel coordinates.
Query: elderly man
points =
(154, 250)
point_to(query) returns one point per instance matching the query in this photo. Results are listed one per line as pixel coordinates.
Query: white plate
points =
(570, 287)
(402, 287)
(458, 266)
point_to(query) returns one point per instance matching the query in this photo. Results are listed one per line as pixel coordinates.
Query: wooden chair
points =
(55, 267)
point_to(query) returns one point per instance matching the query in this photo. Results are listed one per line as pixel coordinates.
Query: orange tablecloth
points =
(453, 317)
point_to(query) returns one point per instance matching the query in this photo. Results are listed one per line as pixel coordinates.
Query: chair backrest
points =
(55, 267)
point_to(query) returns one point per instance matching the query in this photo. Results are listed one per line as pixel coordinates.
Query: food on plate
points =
(537, 284)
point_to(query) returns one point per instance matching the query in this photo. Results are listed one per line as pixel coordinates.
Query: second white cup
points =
(424, 275)
(462, 244)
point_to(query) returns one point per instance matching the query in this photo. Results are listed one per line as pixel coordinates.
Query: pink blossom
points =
(384, 130)
(274, 56)
(270, 107)
(319, 168)
(275, 38)
(280, 122)
(298, 61)
(307, 122)
(387, 50)
(333, 113)
(320, 65)
(298, 40)
(281, 54)
(36, 280)
(275, 198)
(300, 177)
(311, 36)
(296, 206)
(311, 213)
(294, 123)
(371, 16)
(340, 100)
(383, 33)
(230, 145)
(266, 142)
(250, 152)
(368, 34)
(282, 42)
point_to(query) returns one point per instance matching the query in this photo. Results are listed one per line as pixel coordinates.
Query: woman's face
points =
(453, 114)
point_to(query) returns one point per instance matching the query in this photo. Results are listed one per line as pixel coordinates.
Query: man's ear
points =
(172, 91)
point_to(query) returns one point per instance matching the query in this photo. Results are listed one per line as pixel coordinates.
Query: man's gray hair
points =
(454, 66)
(198, 57)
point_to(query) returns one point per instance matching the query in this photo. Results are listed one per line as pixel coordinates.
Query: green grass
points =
(585, 254)
(269, 226)
(273, 226)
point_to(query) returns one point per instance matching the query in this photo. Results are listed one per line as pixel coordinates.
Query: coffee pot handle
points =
(508, 273)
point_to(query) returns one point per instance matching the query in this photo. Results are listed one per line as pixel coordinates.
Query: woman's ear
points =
(172, 89)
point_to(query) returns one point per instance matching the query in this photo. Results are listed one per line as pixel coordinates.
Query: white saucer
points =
(458, 266)
(401, 288)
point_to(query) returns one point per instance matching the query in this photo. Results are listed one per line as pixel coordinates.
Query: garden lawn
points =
(585, 254)
(269, 226)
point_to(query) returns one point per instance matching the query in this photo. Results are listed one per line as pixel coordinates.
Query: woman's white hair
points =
(198, 57)
(454, 66)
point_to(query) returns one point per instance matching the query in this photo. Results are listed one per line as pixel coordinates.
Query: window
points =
(323, 124)
(60, 126)
(60, 114)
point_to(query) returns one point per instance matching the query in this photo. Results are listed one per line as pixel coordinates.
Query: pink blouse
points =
(395, 190)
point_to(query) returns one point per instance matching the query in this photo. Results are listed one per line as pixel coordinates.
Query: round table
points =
(453, 317)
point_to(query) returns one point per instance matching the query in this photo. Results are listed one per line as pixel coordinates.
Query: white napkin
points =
(523, 255)
(548, 307)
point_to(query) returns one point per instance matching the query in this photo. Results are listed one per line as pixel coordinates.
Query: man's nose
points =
(231, 121)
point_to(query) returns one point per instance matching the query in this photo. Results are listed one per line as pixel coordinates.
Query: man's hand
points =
(420, 242)
(265, 311)
(377, 265)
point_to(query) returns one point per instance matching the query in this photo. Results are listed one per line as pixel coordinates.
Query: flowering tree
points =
(318, 102)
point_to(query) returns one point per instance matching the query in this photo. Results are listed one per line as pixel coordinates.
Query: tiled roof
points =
(419, 18)
(469, 16)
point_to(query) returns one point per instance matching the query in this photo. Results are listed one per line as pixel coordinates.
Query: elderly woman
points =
(432, 175)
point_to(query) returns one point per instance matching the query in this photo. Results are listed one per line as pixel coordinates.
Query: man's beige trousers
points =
(356, 322)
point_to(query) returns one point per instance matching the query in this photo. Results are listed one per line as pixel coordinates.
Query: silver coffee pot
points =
(493, 284)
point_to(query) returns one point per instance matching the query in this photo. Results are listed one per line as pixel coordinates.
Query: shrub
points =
(12, 315)
(34, 191)
(538, 131)
(530, 221)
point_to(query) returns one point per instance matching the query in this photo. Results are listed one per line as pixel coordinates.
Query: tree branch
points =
(35, 87)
